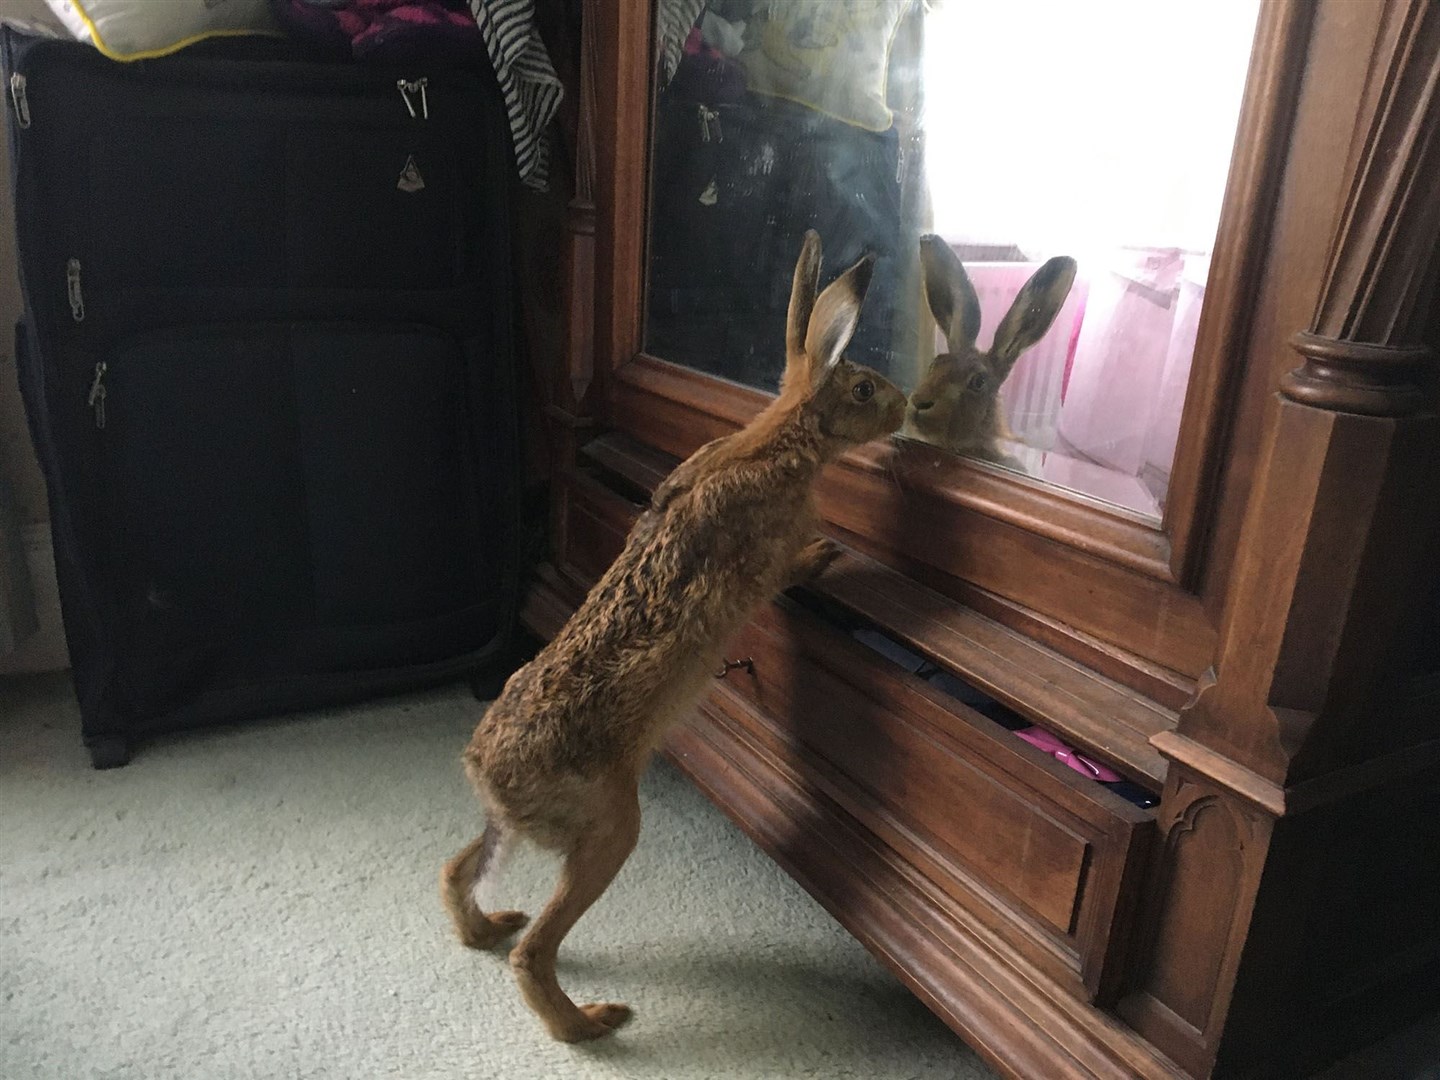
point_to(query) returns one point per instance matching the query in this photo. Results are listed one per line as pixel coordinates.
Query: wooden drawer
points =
(1051, 860)
(1048, 860)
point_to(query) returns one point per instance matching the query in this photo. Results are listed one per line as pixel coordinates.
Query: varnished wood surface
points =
(1242, 243)
(1264, 611)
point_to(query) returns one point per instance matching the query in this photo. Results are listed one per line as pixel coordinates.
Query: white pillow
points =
(833, 56)
(140, 29)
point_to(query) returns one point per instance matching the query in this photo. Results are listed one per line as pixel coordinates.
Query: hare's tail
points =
(466, 877)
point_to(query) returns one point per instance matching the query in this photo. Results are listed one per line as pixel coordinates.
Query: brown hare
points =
(556, 759)
(956, 406)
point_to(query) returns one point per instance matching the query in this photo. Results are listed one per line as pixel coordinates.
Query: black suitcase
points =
(267, 364)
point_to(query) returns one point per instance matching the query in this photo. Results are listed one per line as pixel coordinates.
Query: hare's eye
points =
(863, 390)
(976, 382)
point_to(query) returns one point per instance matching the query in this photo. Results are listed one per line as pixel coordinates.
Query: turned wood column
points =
(1291, 721)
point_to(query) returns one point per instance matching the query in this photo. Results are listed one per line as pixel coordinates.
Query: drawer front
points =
(1050, 860)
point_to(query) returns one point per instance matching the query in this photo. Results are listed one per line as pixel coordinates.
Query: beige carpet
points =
(259, 902)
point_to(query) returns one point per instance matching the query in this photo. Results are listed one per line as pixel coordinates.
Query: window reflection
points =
(1040, 181)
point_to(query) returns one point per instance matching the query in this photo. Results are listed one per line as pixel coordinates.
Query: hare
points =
(956, 406)
(556, 759)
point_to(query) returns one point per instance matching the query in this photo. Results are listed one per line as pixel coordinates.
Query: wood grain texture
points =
(1241, 246)
(1283, 736)
(1312, 190)
(1021, 1022)
(1336, 527)
(1213, 850)
(624, 60)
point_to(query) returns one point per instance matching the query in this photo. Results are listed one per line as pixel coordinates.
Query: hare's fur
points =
(557, 757)
(956, 405)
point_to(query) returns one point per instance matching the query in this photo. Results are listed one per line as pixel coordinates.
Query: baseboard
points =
(44, 649)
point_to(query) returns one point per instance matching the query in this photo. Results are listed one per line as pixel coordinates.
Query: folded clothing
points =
(386, 30)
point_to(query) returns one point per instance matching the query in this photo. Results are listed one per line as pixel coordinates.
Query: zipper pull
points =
(19, 100)
(72, 288)
(96, 400)
(407, 87)
(710, 116)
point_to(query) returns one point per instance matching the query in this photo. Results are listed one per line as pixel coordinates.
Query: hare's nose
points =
(921, 406)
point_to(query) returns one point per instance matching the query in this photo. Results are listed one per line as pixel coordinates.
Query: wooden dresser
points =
(1264, 657)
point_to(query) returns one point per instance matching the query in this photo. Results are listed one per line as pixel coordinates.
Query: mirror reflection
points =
(1040, 181)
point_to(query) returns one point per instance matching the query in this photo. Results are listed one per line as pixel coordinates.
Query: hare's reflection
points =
(956, 405)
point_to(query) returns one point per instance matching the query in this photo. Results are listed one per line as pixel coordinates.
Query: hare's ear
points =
(802, 303)
(833, 322)
(1032, 312)
(948, 290)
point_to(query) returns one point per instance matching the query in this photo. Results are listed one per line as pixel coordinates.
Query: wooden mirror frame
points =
(1136, 601)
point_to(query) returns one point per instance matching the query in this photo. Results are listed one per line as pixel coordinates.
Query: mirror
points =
(1040, 181)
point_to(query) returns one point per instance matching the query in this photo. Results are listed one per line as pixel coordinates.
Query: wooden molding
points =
(1337, 517)
(1250, 786)
(1380, 281)
(1350, 376)
(1364, 351)
(578, 369)
(1201, 895)
(1241, 246)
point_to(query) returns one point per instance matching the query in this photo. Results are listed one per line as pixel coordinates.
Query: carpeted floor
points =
(259, 902)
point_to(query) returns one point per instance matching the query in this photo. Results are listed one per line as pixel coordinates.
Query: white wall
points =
(45, 650)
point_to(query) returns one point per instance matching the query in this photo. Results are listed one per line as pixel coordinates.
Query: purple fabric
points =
(385, 30)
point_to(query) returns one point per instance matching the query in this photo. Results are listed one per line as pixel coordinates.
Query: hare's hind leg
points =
(591, 863)
(459, 879)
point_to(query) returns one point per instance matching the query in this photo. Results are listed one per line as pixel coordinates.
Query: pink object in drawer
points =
(1044, 740)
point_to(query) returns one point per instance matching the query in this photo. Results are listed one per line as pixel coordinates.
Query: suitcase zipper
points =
(708, 117)
(19, 100)
(72, 288)
(409, 87)
(96, 400)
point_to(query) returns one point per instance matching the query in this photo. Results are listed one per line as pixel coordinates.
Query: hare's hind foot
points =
(483, 931)
(595, 855)
(458, 880)
(593, 1022)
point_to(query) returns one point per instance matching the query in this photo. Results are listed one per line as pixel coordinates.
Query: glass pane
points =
(1063, 163)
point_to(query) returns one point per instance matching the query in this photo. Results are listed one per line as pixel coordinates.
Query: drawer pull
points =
(730, 665)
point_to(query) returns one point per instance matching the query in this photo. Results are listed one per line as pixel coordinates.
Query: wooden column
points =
(1255, 896)
(569, 411)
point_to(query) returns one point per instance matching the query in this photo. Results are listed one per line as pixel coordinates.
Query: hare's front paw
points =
(813, 559)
